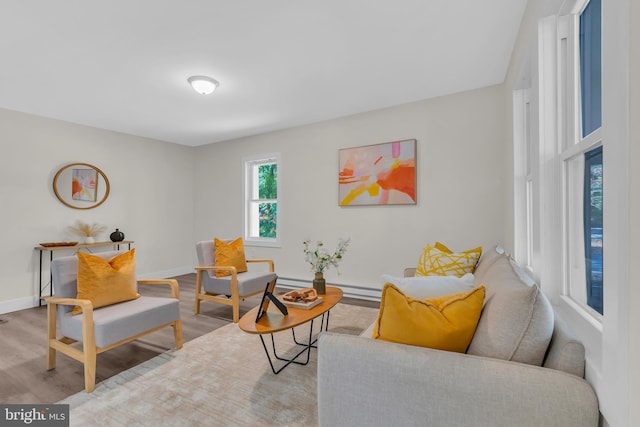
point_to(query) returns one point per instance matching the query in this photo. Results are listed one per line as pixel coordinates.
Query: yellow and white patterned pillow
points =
(438, 260)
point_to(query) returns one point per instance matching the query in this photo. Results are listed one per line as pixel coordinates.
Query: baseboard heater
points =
(361, 292)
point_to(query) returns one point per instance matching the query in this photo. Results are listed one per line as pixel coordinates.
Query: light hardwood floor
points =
(23, 374)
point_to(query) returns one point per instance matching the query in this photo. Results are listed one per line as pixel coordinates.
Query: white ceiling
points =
(123, 64)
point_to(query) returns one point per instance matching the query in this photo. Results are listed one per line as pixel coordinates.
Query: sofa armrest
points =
(362, 381)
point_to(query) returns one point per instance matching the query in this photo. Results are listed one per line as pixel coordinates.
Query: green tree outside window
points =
(268, 191)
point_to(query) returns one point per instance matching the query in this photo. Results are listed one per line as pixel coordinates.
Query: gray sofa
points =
(523, 368)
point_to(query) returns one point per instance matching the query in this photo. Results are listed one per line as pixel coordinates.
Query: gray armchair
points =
(228, 290)
(103, 328)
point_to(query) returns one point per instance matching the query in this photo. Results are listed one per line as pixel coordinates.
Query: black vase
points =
(117, 236)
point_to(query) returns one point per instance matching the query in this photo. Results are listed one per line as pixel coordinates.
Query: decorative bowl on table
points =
(54, 244)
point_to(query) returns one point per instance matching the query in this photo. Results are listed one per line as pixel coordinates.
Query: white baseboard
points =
(18, 304)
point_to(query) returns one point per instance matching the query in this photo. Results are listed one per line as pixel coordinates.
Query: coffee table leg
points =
(324, 326)
(307, 348)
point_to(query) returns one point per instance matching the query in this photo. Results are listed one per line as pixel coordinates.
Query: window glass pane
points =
(268, 181)
(261, 201)
(590, 67)
(593, 227)
(268, 217)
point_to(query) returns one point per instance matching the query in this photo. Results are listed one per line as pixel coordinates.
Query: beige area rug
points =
(219, 379)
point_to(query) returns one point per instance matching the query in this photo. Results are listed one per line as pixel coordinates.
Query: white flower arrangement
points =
(320, 258)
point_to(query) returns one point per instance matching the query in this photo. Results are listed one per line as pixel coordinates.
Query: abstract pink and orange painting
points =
(83, 184)
(379, 174)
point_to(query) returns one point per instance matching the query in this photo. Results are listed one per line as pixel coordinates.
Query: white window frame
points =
(558, 245)
(249, 163)
(525, 176)
(572, 147)
(608, 342)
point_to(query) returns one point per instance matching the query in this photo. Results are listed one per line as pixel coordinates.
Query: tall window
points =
(261, 200)
(583, 160)
(525, 164)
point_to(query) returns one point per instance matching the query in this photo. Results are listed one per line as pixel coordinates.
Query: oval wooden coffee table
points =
(272, 322)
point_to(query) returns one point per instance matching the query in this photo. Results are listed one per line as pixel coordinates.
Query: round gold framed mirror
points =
(81, 186)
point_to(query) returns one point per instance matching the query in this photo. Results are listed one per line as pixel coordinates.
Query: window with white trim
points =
(581, 148)
(558, 159)
(525, 166)
(262, 208)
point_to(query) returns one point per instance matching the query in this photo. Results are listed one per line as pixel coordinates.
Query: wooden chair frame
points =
(234, 302)
(87, 356)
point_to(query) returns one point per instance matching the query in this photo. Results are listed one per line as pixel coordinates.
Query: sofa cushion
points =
(522, 273)
(439, 260)
(486, 261)
(105, 282)
(499, 276)
(516, 324)
(423, 287)
(229, 254)
(444, 323)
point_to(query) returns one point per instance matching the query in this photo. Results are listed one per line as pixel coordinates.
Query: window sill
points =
(263, 243)
(577, 309)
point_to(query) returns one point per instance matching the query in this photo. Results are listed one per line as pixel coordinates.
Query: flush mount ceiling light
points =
(202, 84)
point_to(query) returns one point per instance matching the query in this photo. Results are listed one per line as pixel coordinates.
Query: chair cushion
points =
(249, 283)
(444, 323)
(229, 254)
(106, 282)
(439, 260)
(516, 324)
(116, 322)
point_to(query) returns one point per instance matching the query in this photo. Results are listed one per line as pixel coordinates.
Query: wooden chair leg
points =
(196, 309)
(177, 332)
(236, 310)
(89, 351)
(90, 372)
(51, 335)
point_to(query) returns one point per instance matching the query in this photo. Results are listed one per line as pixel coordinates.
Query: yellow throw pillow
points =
(444, 323)
(438, 260)
(105, 282)
(229, 255)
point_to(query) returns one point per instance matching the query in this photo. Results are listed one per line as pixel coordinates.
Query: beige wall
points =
(462, 183)
(165, 196)
(634, 211)
(151, 198)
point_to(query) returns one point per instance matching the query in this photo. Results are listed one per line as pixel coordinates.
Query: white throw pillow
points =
(423, 287)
